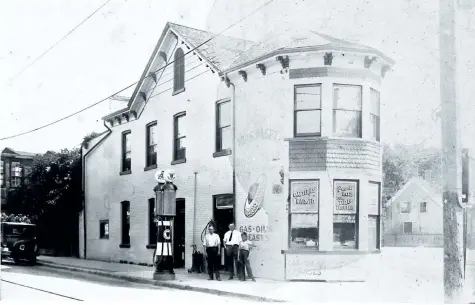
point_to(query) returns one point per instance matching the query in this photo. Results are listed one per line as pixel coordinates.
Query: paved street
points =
(20, 283)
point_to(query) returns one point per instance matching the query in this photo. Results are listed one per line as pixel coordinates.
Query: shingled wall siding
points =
(321, 154)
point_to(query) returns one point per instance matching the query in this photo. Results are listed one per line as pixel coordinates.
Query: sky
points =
(110, 50)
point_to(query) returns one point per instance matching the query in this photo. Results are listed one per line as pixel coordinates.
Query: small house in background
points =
(14, 166)
(414, 216)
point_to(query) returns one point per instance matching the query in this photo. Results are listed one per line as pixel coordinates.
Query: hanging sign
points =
(304, 197)
(345, 197)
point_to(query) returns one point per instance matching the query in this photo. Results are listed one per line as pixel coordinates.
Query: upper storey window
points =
(347, 105)
(307, 110)
(375, 115)
(179, 71)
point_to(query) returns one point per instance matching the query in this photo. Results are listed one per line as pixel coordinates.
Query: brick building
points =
(280, 137)
(14, 166)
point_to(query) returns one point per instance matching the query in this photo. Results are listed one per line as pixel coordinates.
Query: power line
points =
(118, 92)
(59, 41)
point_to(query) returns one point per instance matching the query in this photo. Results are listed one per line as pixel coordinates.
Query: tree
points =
(52, 198)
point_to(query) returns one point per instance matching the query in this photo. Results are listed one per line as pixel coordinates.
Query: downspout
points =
(233, 97)
(84, 184)
(194, 205)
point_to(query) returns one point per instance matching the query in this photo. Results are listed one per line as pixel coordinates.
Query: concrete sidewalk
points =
(406, 275)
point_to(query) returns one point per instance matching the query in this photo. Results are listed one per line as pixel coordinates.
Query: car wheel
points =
(32, 261)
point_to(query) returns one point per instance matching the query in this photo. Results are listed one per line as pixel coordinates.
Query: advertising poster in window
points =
(373, 204)
(345, 194)
(304, 197)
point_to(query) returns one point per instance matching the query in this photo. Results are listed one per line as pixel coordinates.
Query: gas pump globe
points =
(165, 211)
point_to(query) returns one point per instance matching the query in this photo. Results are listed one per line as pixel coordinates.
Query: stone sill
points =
(124, 246)
(224, 152)
(180, 161)
(150, 167)
(126, 173)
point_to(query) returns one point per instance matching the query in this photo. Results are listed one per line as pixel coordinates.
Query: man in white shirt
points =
(231, 240)
(212, 244)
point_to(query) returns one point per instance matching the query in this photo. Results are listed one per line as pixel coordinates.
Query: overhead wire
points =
(59, 41)
(118, 92)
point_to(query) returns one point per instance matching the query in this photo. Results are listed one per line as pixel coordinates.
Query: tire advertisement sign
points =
(345, 197)
(373, 205)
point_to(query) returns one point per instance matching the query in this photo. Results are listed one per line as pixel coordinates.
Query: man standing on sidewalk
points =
(212, 244)
(231, 240)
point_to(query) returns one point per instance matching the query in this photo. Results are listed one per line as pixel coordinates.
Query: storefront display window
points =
(304, 214)
(345, 214)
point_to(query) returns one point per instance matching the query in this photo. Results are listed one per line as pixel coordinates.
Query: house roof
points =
(7, 151)
(220, 57)
(226, 53)
(221, 50)
(425, 186)
(300, 40)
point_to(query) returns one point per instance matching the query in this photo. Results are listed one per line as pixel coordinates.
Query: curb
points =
(106, 273)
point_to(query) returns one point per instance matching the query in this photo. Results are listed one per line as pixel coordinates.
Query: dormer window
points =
(179, 71)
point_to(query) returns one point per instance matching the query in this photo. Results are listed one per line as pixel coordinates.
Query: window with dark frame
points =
(223, 126)
(151, 139)
(307, 110)
(304, 209)
(345, 215)
(179, 69)
(375, 114)
(16, 174)
(126, 152)
(179, 137)
(423, 207)
(104, 229)
(374, 217)
(125, 220)
(347, 106)
(152, 225)
(407, 228)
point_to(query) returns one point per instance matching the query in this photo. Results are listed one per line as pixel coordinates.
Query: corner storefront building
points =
(282, 138)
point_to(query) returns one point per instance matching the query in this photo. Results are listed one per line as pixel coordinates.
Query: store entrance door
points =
(223, 215)
(179, 235)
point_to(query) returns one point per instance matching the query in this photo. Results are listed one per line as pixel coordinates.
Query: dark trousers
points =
(213, 260)
(244, 265)
(232, 254)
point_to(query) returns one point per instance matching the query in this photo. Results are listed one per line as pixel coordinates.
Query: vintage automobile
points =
(18, 242)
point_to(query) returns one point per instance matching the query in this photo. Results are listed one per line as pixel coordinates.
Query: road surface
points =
(39, 283)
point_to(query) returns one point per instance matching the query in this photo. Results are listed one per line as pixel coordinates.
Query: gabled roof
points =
(221, 50)
(422, 184)
(225, 54)
(229, 49)
(9, 151)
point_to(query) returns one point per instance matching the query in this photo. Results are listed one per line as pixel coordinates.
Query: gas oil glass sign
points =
(345, 197)
(304, 197)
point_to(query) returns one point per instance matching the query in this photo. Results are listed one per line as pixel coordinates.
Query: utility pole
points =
(453, 211)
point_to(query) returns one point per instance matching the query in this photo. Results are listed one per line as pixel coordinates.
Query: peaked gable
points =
(420, 184)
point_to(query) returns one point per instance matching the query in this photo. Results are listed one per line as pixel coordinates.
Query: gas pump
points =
(165, 211)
